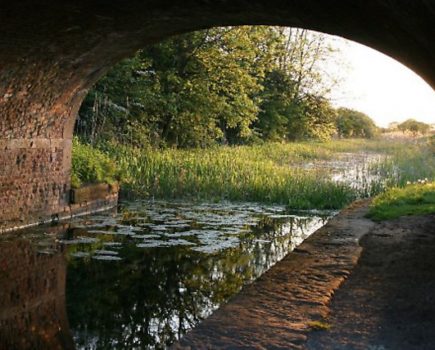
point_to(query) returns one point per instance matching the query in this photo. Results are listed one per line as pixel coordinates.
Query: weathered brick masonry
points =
(34, 177)
(51, 52)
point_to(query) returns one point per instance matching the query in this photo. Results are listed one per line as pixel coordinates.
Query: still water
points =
(140, 277)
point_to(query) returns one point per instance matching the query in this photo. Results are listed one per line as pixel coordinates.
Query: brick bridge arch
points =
(51, 52)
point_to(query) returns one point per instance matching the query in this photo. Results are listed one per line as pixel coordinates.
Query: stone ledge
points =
(40, 143)
(92, 192)
(276, 310)
(105, 198)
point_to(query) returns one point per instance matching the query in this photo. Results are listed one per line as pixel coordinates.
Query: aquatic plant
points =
(270, 172)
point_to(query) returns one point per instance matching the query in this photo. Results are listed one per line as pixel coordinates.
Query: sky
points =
(380, 86)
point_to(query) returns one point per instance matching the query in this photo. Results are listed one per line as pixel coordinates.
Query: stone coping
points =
(278, 310)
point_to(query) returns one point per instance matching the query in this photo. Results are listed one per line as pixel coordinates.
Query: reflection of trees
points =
(153, 296)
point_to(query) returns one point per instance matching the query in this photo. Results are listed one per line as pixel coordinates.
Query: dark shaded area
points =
(32, 298)
(388, 301)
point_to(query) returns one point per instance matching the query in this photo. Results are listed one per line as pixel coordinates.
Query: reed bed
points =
(270, 173)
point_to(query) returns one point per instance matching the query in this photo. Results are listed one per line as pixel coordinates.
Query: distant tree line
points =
(414, 126)
(220, 86)
(351, 123)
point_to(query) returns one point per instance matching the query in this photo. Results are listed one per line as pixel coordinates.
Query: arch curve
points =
(52, 52)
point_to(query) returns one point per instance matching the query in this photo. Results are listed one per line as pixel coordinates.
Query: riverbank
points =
(302, 175)
(354, 284)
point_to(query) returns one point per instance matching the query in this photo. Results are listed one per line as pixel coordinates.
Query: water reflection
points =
(142, 277)
(361, 171)
(32, 296)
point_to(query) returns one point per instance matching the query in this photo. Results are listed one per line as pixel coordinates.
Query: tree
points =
(313, 117)
(222, 85)
(191, 90)
(414, 126)
(351, 123)
(294, 99)
(393, 126)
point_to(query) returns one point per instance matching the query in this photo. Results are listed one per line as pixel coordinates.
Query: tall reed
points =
(271, 172)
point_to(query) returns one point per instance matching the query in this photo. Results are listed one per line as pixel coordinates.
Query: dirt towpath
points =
(388, 302)
(372, 284)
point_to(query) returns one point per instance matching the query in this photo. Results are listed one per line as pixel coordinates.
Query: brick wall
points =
(34, 180)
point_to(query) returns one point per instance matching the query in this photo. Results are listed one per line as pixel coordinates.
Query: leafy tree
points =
(294, 104)
(191, 90)
(276, 106)
(414, 126)
(351, 123)
(313, 118)
(222, 85)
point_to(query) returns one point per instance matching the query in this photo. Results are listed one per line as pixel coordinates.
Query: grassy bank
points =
(414, 199)
(271, 172)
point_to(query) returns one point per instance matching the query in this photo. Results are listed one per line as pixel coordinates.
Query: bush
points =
(90, 165)
(352, 123)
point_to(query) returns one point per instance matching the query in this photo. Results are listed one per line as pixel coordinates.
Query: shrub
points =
(90, 165)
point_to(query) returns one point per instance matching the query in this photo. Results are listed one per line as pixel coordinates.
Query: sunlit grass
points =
(415, 199)
(270, 172)
(236, 173)
(90, 165)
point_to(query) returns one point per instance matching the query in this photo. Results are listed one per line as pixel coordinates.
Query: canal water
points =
(141, 276)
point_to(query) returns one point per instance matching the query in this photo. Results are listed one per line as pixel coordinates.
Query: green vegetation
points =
(352, 123)
(270, 172)
(409, 161)
(210, 115)
(413, 199)
(431, 143)
(90, 165)
(235, 173)
(413, 126)
(233, 85)
(319, 325)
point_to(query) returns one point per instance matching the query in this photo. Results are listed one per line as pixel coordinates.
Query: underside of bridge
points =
(51, 52)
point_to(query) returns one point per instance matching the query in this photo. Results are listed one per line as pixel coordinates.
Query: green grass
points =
(90, 165)
(232, 173)
(415, 199)
(319, 325)
(408, 162)
(270, 172)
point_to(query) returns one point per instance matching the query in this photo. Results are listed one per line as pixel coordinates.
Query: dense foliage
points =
(231, 86)
(90, 165)
(268, 172)
(222, 85)
(414, 126)
(351, 123)
(242, 173)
